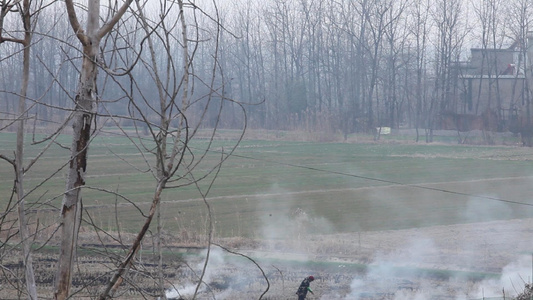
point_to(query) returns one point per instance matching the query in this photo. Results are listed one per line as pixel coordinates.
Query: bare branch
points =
(74, 23)
(9, 160)
(106, 28)
(253, 261)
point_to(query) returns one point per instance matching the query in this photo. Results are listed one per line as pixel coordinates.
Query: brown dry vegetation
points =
(440, 262)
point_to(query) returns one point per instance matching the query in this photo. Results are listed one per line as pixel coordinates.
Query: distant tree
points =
(450, 32)
(356, 25)
(376, 16)
(490, 16)
(521, 115)
(420, 28)
(395, 42)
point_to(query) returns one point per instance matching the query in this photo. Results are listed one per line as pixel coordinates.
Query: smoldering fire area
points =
(459, 262)
(455, 262)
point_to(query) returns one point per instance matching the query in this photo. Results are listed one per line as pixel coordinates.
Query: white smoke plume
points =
(512, 281)
(226, 275)
(217, 261)
(383, 278)
(382, 275)
(186, 289)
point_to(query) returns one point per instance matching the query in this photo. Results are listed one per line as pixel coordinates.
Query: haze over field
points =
(228, 149)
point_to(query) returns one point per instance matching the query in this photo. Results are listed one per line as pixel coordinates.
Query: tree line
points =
(159, 72)
(340, 65)
(351, 66)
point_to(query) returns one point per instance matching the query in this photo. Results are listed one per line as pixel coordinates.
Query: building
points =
(492, 92)
(492, 82)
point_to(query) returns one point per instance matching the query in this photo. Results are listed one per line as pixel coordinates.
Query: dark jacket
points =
(304, 287)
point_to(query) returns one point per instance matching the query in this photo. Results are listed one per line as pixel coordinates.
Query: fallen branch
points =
(250, 259)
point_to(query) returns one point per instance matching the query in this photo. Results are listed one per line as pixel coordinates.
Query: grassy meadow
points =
(280, 188)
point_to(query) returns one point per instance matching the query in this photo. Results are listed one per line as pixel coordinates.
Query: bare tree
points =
(83, 119)
(447, 16)
(489, 14)
(521, 119)
(395, 43)
(18, 162)
(420, 28)
(173, 119)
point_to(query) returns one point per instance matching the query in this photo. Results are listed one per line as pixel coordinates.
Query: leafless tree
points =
(420, 28)
(395, 41)
(520, 27)
(26, 12)
(184, 100)
(83, 119)
(491, 19)
(449, 38)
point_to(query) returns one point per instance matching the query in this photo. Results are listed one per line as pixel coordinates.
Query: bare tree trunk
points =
(72, 204)
(24, 232)
(83, 118)
(19, 155)
(160, 274)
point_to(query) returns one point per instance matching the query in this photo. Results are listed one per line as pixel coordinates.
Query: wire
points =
(388, 181)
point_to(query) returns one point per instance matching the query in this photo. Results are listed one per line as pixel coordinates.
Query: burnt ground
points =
(468, 261)
(465, 261)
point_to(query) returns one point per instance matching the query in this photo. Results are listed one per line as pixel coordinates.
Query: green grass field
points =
(274, 188)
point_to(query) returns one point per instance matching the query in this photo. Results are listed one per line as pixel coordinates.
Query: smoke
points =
(479, 210)
(385, 277)
(222, 277)
(482, 245)
(285, 220)
(186, 289)
(382, 275)
(512, 281)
